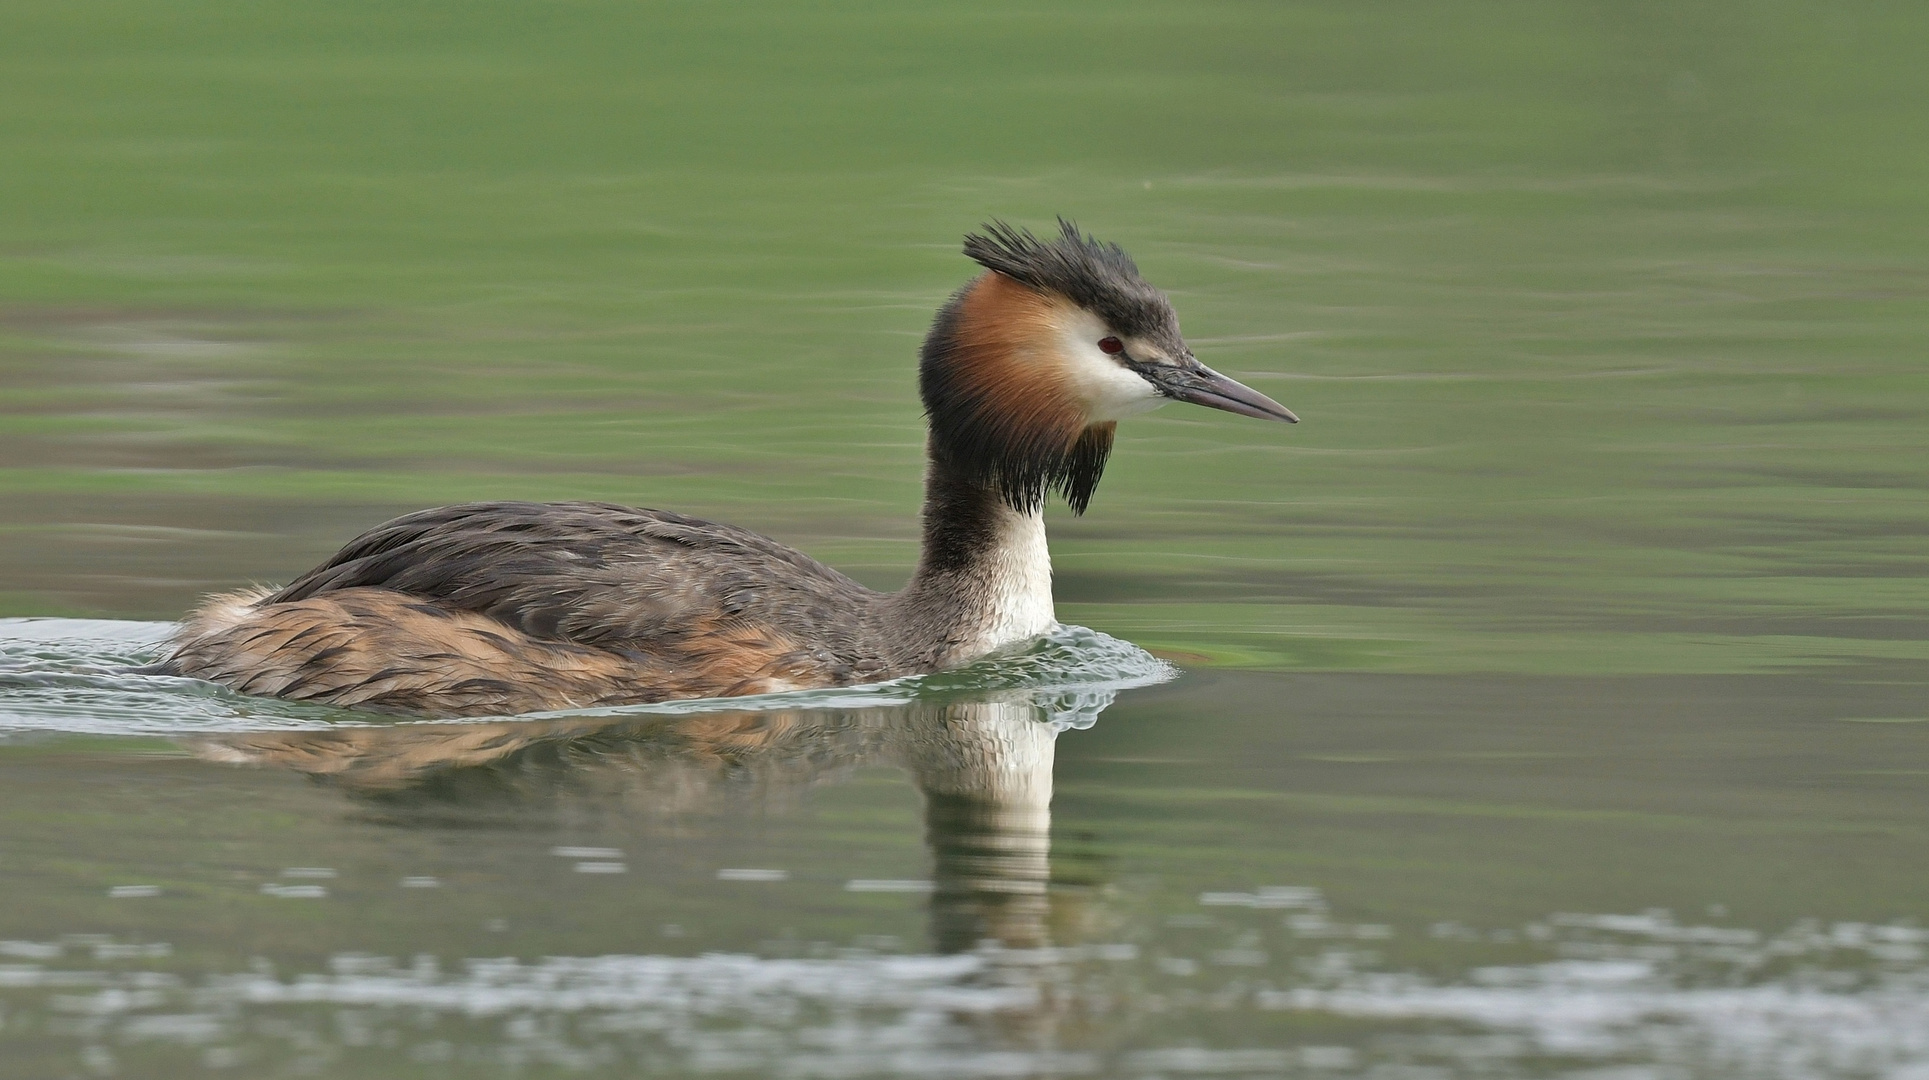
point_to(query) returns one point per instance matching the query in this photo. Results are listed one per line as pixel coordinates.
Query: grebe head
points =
(1030, 366)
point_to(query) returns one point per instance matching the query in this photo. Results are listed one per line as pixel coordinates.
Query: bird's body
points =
(489, 608)
(508, 607)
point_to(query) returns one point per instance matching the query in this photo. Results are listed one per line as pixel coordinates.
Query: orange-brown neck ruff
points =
(1000, 399)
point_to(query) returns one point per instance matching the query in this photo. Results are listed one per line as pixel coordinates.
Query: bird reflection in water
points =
(983, 767)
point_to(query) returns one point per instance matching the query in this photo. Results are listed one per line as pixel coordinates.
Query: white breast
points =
(1018, 583)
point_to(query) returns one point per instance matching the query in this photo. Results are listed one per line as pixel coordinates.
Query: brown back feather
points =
(371, 647)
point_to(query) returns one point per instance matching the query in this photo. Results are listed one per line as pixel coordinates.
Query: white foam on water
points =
(77, 675)
(1624, 996)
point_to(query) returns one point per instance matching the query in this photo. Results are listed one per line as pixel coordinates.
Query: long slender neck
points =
(984, 577)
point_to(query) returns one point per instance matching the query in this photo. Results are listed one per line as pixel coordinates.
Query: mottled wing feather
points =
(377, 648)
(595, 574)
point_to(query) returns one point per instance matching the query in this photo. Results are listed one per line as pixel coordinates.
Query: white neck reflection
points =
(984, 768)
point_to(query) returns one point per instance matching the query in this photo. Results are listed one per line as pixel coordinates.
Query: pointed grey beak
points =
(1203, 386)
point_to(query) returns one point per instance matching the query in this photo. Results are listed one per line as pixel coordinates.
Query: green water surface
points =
(1607, 320)
(1594, 584)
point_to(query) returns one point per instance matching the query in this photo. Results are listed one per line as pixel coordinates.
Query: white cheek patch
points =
(1108, 389)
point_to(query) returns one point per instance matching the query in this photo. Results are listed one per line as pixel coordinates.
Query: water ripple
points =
(1615, 995)
(76, 675)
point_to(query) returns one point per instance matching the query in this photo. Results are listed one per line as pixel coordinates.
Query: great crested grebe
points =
(512, 607)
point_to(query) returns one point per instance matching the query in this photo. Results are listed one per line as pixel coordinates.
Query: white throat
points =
(1018, 583)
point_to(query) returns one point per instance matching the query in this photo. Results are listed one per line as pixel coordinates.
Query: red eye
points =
(1111, 346)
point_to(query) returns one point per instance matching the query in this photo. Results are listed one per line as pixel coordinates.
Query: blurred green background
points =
(1607, 319)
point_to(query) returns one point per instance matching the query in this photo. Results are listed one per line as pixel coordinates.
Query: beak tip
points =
(1204, 386)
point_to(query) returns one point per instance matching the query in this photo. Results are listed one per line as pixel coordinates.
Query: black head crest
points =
(1101, 278)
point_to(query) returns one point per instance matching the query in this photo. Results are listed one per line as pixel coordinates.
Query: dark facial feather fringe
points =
(975, 440)
(979, 440)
